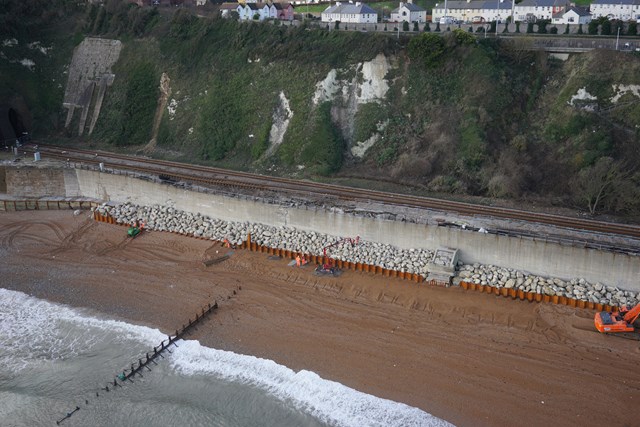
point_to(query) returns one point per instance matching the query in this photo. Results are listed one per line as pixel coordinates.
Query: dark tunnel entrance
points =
(12, 126)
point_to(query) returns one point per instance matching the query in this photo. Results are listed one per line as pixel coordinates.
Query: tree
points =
(580, 31)
(427, 28)
(632, 28)
(405, 26)
(518, 27)
(529, 27)
(553, 30)
(605, 185)
(566, 29)
(593, 27)
(415, 26)
(605, 27)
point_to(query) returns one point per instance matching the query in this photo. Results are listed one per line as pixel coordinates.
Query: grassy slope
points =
(489, 120)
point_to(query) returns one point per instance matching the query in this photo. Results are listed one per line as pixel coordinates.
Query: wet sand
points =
(472, 359)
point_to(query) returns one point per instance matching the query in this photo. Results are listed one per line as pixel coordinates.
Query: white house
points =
(250, 11)
(473, 10)
(408, 12)
(623, 10)
(574, 15)
(350, 13)
(534, 10)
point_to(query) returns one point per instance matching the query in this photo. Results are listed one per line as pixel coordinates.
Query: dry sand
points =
(472, 359)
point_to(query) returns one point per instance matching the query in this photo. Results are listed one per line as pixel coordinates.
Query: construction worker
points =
(227, 244)
(298, 260)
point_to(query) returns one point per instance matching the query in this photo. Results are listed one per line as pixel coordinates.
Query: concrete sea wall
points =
(525, 254)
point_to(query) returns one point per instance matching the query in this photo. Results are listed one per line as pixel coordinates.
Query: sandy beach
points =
(472, 359)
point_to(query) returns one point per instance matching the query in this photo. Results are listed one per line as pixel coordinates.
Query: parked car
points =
(446, 20)
(477, 20)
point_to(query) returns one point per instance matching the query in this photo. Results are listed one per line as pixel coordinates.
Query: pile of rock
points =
(163, 218)
(578, 289)
(414, 261)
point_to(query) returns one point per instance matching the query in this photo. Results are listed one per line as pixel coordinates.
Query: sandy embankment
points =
(473, 359)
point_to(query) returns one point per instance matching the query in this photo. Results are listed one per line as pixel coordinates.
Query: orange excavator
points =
(328, 268)
(621, 321)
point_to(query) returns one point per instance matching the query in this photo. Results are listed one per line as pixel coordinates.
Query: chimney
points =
(358, 3)
(402, 4)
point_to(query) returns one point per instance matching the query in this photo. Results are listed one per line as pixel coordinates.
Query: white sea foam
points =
(329, 401)
(34, 330)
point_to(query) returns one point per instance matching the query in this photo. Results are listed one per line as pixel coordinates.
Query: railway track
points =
(174, 171)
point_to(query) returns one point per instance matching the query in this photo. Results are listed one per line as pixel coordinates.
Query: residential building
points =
(574, 16)
(473, 10)
(624, 10)
(350, 13)
(535, 10)
(281, 11)
(408, 12)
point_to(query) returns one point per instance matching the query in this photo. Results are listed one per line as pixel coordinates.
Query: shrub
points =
(324, 151)
(428, 47)
(593, 27)
(427, 28)
(529, 27)
(580, 31)
(405, 26)
(542, 26)
(437, 30)
(566, 29)
(553, 30)
(463, 38)
(518, 27)
(632, 29)
(415, 26)
(139, 106)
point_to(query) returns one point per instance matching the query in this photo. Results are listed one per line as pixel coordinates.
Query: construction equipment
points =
(327, 268)
(135, 229)
(621, 321)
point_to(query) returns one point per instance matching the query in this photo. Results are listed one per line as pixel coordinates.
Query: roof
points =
(580, 11)
(616, 2)
(543, 3)
(412, 8)
(477, 4)
(229, 6)
(350, 9)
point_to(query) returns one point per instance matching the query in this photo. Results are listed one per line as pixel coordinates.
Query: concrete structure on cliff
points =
(90, 68)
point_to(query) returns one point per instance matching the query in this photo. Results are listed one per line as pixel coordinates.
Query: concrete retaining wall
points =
(534, 256)
(538, 257)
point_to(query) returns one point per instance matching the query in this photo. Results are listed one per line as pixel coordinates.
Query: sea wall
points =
(535, 256)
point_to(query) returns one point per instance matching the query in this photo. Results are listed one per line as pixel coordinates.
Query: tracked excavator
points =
(617, 322)
(327, 268)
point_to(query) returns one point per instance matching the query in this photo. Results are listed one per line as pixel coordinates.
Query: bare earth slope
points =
(472, 359)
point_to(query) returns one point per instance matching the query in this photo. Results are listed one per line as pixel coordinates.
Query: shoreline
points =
(468, 358)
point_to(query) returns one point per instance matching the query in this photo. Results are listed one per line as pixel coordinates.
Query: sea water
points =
(54, 358)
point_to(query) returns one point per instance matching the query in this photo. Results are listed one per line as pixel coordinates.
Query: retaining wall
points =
(534, 256)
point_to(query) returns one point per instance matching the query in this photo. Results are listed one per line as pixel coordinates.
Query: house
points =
(350, 12)
(227, 8)
(534, 10)
(574, 15)
(474, 10)
(408, 12)
(624, 10)
(251, 11)
(281, 11)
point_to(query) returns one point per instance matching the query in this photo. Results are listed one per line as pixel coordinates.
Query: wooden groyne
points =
(150, 357)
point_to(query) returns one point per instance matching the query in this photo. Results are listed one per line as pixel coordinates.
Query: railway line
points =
(179, 172)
